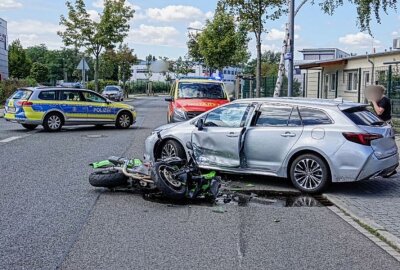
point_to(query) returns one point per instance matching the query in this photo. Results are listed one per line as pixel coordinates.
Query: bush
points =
(8, 87)
(102, 84)
(139, 87)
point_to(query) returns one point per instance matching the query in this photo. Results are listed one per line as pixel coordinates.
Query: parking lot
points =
(52, 218)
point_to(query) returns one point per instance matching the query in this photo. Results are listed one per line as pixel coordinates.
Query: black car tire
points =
(124, 120)
(29, 126)
(56, 117)
(108, 179)
(318, 169)
(174, 146)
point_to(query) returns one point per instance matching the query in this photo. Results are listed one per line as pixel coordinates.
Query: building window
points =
(367, 79)
(352, 81)
(326, 83)
(333, 82)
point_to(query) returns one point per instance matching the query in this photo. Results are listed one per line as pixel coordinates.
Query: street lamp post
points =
(291, 47)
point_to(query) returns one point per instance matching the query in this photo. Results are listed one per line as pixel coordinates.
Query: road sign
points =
(83, 65)
(288, 56)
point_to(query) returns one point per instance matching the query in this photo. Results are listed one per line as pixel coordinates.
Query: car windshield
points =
(21, 94)
(111, 88)
(201, 90)
(363, 117)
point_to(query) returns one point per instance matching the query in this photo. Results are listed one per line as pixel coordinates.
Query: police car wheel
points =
(52, 122)
(29, 127)
(124, 120)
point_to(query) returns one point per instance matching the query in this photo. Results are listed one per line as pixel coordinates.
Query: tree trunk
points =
(96, 72)
(258, 69)
(281, 67)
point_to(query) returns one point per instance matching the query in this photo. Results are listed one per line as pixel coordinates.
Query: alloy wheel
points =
(168, 151)
(54, 122)
(124, 120)
(308, 173)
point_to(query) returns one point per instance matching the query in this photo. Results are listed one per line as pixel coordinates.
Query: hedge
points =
(7, 87)
(139, 87)
(102, 84)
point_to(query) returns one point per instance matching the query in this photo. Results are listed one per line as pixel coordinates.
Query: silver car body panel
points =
(269, 150)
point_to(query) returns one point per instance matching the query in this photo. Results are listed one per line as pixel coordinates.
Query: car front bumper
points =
(150, 145)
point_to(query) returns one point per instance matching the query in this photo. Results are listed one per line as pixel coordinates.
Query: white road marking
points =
(10, 139)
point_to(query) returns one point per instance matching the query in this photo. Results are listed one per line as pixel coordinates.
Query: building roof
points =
(344, 60)
(321, 50)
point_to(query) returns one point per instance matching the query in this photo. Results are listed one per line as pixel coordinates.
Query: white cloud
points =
(395, 33)
(196, 25)
(94, 15)
(6, 4)
(154, 35)
(360, 40)
(276, 34)
(177, 13)
(33, 32)
(100, 4)
(270, 47)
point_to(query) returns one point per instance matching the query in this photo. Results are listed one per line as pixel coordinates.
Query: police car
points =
(56, 107)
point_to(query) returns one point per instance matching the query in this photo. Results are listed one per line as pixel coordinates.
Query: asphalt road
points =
(50, 217)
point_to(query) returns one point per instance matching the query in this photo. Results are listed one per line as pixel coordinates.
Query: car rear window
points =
(47, 95)
(363, 117)
(311, 117)
(201, 90)
(22, 94)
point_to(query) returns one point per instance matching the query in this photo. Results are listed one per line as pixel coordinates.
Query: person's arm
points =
(379, 110)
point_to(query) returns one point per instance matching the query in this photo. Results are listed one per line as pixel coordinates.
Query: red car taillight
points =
(361, 138)
(24, 103)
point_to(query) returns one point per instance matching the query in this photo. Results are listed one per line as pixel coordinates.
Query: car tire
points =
(53, 122)
(124, 120)
(309, 173)
(29, 127)
(108, 179)
(171, 149)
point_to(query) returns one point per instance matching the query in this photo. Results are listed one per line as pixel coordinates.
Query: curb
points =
(381, 232)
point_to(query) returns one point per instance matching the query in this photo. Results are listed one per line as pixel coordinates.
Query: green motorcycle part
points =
(101, 164)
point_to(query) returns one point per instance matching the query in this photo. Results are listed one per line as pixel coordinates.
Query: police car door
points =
(98, 107)
(71, 105)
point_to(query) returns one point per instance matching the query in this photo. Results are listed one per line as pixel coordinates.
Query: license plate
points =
(11, 110)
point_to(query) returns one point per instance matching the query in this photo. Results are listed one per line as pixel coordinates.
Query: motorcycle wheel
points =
(170, 187)
(108, 179)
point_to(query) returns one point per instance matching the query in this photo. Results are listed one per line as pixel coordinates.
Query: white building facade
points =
(3, 50)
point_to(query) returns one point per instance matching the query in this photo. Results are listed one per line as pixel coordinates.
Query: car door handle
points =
(232, 134)
(288, 134)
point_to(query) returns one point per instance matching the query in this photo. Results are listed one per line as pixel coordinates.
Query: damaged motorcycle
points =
(175, 178)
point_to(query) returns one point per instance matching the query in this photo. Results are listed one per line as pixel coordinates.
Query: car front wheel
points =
(309, 173)
(171, 149)
(124, 120)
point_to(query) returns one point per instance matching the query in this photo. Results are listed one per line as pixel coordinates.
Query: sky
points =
(159, 27)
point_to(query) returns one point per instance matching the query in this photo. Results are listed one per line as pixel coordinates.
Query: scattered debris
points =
(250, 185)
(218, 209)
(277, 220)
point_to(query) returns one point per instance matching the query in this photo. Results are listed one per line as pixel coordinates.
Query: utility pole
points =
(291, 47)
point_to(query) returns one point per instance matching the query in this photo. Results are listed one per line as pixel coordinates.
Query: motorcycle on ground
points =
(174, 178)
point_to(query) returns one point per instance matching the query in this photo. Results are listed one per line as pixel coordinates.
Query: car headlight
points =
(179, 113)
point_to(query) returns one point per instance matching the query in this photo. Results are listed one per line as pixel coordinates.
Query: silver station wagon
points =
(311, 141)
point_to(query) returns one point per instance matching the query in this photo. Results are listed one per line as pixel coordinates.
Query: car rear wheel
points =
(29, 127)
(171, 149)
(53, 122)
(309, 173)
(124, 120)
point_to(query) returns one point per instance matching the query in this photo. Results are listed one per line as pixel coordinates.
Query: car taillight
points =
(361, 138)
(24, 103)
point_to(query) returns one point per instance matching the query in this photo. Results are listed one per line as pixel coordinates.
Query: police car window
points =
(233, 116)
(274, 116)
(92, 97)
(47, 95)
(21, 94)
(70, 96)
(314, 117)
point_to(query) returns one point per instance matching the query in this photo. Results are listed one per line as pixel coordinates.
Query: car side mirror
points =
(169, 99)
(200, 124)
(189, 146)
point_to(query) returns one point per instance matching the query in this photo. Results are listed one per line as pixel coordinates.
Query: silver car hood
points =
(110, 92)
(168, 126)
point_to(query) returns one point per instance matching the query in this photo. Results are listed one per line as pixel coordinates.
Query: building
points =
(316, 54)
(347, 77)
(3, 50)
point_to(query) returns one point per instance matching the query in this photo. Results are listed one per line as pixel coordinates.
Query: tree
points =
(125, 59)
(83, 32)
(37, 53)
(182, 66)
(39, 72)
(221, 43)
(108, 69)
(18, 62)
(269, 64)
(254, 14)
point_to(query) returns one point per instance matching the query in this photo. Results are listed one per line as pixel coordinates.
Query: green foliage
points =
(39, 72)
(37, 53)
(182, 66)
(269, 64)
(18, 62)
(102, 83)
(83, 32)
(7, 87)
(125, 59)
(108, 65)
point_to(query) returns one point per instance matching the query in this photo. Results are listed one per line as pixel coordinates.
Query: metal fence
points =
(248, 87)
(144, 87)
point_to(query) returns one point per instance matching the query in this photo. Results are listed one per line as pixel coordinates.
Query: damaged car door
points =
(270, 138)
(216, 141)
